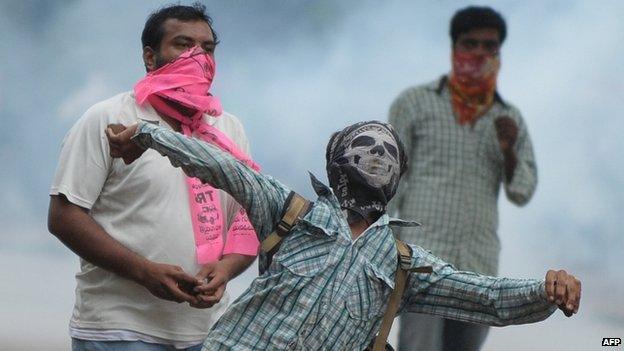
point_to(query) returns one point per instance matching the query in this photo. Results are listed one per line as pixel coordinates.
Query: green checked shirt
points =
(454, 176)
(324, 290)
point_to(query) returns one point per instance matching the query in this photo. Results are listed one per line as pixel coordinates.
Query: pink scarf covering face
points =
(186, 81)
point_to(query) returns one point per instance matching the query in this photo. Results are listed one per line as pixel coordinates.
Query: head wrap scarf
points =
(364, 164)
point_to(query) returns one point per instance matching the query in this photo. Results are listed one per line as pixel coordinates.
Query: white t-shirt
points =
(145, 207)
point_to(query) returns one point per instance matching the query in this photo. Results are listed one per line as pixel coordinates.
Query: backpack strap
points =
(404, 260)
(296, 206)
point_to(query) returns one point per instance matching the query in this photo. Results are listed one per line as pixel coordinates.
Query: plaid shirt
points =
(454, 176)
(324, 290)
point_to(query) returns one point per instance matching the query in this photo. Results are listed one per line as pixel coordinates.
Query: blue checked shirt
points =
(325, 290)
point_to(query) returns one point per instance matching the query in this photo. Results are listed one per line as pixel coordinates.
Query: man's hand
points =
(121, 144)
(507, 133)
(168, 282)
(564, 290)
(213, 279)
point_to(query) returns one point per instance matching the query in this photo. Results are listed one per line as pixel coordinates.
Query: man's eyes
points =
(470, 43)
(490, 44)
(185, 44)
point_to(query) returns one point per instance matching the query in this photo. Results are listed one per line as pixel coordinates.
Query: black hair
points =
(477, 17)
(153, 31)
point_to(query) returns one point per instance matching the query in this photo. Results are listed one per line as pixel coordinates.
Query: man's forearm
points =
(198, 159)
(261, 196)
(236, 264)
(474, 298)
(509, 163)
(74, 227)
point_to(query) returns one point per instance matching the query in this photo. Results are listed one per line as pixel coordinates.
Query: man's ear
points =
(149, 58)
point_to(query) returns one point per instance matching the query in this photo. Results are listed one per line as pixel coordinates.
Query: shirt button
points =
(291, 345)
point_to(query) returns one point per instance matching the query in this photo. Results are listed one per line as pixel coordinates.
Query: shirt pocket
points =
(369, 295)
(305, 252)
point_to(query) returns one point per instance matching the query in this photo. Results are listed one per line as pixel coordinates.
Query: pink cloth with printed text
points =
(186, 81)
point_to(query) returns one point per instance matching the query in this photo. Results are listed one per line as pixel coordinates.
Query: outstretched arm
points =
(481, 299)
(262, 196)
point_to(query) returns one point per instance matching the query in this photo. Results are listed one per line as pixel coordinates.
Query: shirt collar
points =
(394, 222)
(380, 230)
(440, 86)
(145, 112)
(397, 222)
(326, 193)
(320, 188)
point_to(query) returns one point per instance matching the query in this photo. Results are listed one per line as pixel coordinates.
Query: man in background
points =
(463, 142)
(148, 235)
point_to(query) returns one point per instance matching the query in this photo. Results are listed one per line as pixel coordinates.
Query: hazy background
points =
(294, 71)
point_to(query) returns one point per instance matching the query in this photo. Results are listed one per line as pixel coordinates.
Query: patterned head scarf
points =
(472, 85)
(364, 164)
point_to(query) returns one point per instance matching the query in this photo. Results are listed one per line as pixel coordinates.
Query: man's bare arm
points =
(216, 276)
(73, 226)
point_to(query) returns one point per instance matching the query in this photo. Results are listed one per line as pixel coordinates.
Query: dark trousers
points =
(421, 332)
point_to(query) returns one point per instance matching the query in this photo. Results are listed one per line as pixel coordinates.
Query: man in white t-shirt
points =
(132, 226)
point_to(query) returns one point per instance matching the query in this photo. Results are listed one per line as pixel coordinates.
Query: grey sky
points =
(295, 71)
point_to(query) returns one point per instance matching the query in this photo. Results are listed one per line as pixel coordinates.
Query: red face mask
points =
(472, 85)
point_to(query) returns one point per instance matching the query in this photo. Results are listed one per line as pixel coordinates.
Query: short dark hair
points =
(153, 31)
(477, 17)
